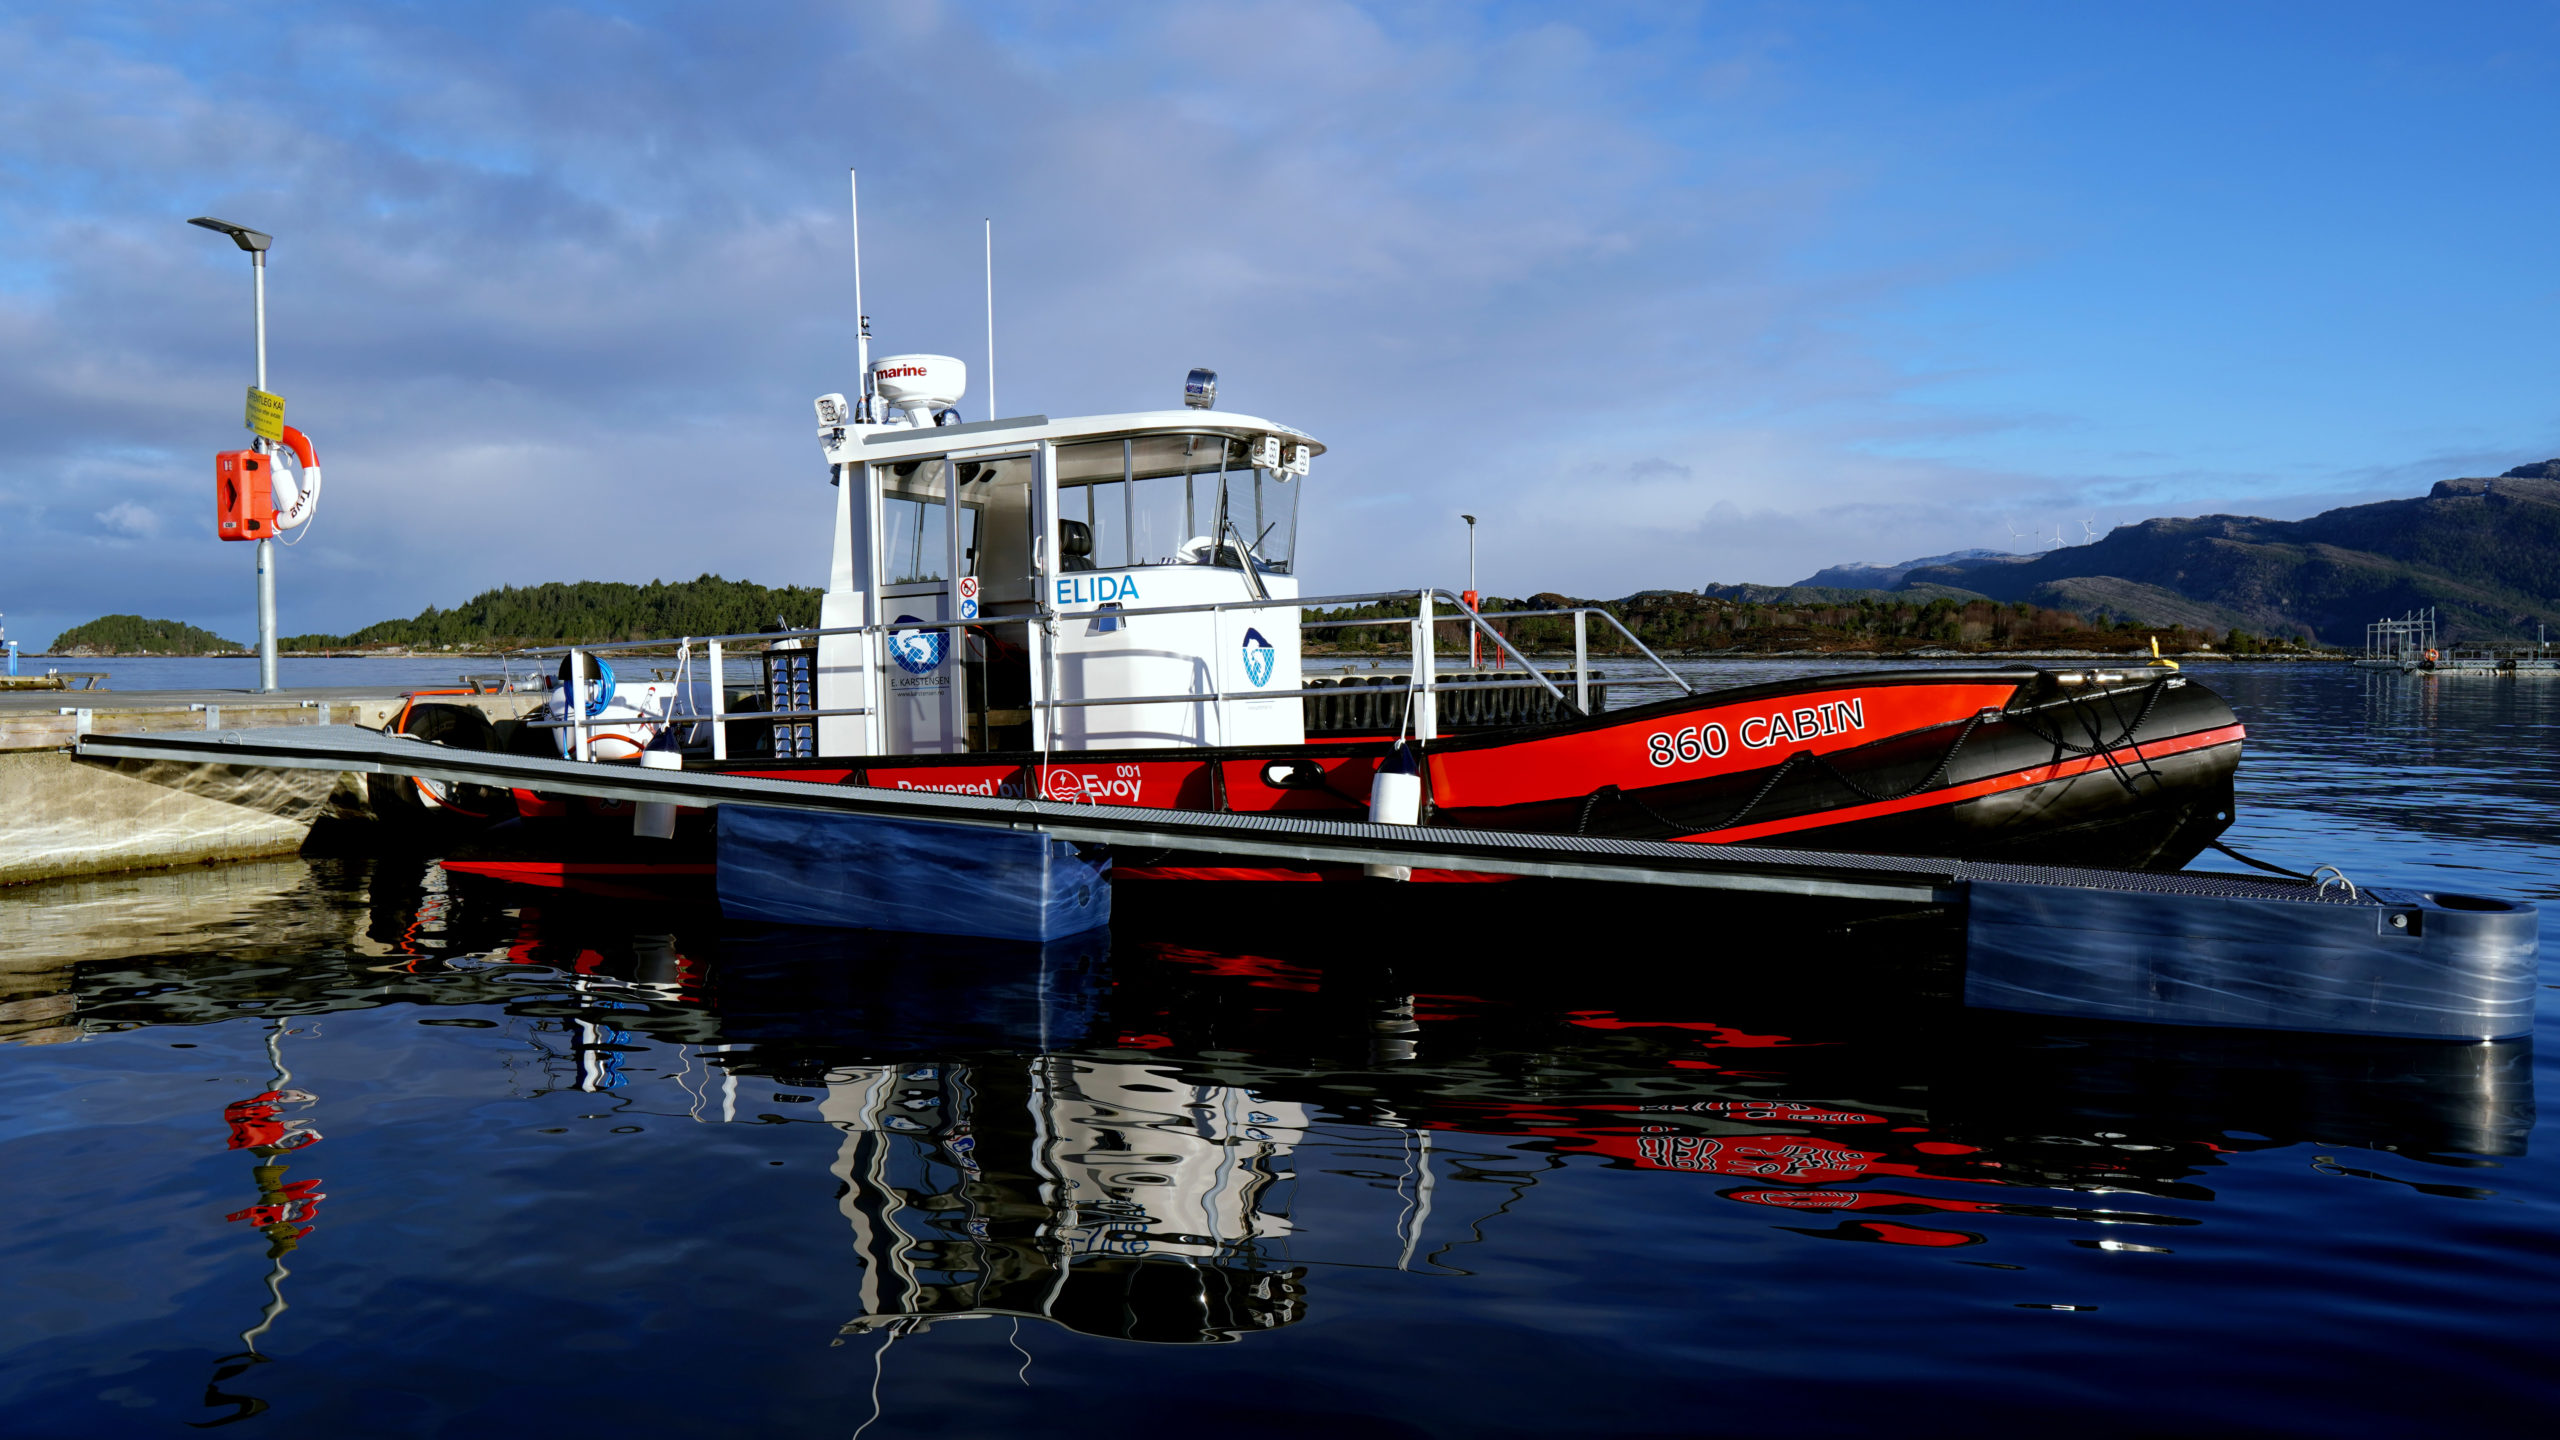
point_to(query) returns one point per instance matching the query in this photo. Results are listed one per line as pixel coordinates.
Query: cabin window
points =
(918, 548)
(995, 525)
(915, 523)
(1159, 500)
(1262, 510)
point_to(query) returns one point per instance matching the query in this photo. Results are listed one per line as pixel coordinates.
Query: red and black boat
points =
(1106, 610)
(2117, 769)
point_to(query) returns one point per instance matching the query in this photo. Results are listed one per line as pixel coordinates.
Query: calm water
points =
(348, 1148)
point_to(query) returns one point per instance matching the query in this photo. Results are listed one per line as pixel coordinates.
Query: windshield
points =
(1262, 515)
(1177, 499)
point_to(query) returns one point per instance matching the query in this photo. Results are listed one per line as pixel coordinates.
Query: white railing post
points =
(1217, 661)
(578, 704)
(1426, 662)
(1044, 711)
(874, 693)
(719, 706)
(1581, 663)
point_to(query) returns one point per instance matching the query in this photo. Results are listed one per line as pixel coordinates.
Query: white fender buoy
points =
(651, 819)
(1395, 798)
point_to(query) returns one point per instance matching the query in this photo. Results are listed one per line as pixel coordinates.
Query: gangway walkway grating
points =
(2181, 947)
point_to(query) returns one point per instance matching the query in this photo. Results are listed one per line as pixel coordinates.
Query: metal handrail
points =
(1423, 682)
(696, 717)
(683, 640)
(719, 717)
(1581, 610)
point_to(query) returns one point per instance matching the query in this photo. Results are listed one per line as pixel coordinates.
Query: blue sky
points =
(1666, 294)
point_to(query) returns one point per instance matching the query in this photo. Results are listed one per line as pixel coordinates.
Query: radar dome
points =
(919, 384)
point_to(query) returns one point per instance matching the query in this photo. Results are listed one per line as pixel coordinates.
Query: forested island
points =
(580, 612)
(2485, 553)
(1724, 620)
(133, 635)
(1681, 622)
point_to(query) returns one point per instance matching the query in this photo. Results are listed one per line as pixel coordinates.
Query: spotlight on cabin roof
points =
(1200, 390)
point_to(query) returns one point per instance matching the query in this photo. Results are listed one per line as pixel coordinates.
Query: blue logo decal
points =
(917, 652)
(1259, 657)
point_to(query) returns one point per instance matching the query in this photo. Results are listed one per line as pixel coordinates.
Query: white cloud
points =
(127, 519)
(551, 289)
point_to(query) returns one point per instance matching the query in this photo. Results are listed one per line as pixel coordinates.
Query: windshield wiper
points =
(1244, 560)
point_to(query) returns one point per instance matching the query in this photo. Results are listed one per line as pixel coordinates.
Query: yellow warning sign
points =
(266, 414)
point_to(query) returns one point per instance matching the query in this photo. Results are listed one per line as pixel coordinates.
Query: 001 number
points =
(1666, 748)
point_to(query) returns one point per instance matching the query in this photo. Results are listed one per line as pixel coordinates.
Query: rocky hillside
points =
(2485, 552)
(1885, 577)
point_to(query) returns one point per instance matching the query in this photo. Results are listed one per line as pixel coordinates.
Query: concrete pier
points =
(60, 816)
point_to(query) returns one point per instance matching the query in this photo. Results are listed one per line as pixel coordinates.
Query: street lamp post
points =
(256, 243)
(1475, 637)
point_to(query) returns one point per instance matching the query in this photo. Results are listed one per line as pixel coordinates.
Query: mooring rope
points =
(2255, 863)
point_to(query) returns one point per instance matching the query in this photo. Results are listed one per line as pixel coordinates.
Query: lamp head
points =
(254, 241)
(1470, 519)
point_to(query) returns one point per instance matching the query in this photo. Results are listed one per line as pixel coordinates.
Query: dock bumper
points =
(2420, 964)
(794, 867)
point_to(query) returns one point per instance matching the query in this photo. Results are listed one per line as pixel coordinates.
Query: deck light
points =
(1200, 390)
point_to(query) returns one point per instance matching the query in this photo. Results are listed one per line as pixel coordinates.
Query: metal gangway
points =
(2184, 948)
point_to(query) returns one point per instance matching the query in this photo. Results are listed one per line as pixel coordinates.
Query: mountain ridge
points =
(2484, 552)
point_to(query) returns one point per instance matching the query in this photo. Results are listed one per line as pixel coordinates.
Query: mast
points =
(861, 321)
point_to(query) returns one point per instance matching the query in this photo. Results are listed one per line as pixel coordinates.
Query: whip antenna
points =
(861, 322)
(992, 411)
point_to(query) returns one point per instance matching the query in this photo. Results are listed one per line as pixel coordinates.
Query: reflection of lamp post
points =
(256, 243)
(1475, 637)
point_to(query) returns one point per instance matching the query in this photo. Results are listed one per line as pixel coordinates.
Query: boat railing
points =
(1582, 645)
(1424, 683)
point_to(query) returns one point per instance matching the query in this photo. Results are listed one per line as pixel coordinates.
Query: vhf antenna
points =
(862, 322)
(992, 411)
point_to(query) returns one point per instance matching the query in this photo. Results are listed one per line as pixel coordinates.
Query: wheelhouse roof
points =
(871, 446)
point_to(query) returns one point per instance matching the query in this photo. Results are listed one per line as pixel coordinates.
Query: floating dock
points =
(61, 818)
(2178, 948)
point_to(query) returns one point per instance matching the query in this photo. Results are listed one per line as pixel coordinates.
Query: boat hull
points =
(2126, 771)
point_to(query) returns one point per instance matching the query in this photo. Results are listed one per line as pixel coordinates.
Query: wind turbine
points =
(2089, 530)
(2014, 532)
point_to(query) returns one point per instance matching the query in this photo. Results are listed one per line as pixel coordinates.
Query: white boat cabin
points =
(1050, 540)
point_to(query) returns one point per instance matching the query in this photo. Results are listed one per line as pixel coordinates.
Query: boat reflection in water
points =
(1043, 1183)
(1165, 1136)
